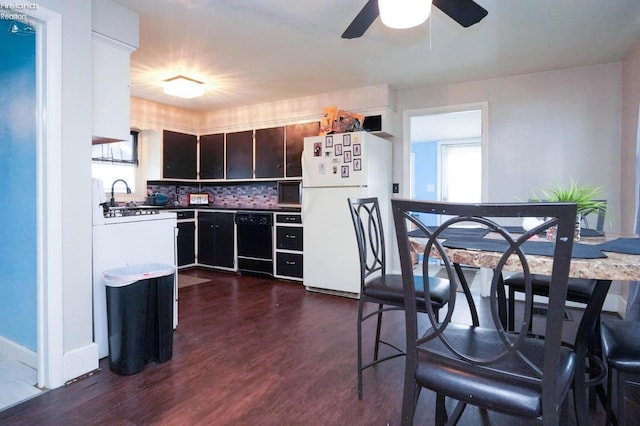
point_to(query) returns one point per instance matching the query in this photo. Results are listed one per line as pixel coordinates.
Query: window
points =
(116, 160)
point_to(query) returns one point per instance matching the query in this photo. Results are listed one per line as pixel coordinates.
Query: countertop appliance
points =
(337, 167)
(254, 233)
(127, 236)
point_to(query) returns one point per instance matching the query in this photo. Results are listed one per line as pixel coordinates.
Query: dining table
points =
(604, 257)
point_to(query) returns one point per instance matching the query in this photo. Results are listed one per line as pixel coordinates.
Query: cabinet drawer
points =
(288, 218)
(188, 214)
(289, 265)
(289, 238)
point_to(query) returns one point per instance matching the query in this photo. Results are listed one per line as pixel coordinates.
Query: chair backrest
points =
(367, 222)
(601, 214)
(507, 253)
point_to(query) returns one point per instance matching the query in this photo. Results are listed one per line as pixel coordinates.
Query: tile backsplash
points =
(255, 195)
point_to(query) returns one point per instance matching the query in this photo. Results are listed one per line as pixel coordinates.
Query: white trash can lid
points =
(125, 275)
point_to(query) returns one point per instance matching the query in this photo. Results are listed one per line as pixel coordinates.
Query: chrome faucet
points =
(113, 201)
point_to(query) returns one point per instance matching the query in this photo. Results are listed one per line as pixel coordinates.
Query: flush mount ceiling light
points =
(402, 14)
(183, 87)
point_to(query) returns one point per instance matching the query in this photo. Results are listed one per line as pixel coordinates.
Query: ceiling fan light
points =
(402, 14)
(183, 87)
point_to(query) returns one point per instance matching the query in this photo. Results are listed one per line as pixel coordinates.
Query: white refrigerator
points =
(337, 167)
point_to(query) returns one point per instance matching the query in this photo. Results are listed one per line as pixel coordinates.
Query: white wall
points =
(629, 134)
(545, 128)
(542, 128)
(66, 328)
(367, 100)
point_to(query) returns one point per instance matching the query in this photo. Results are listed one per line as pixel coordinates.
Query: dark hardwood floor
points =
(250, 351)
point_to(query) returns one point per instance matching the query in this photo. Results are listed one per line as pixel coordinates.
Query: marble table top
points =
(616, 266)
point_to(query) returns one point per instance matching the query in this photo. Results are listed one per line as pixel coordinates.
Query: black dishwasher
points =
(255, 242)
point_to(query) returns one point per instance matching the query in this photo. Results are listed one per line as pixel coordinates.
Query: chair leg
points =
(579, 388)
(360, 309)
(441, 410)
(378, 327)
(607, 404)
(512, 304)
(409, 397)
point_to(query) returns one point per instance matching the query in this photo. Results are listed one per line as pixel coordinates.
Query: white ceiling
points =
(257, 51)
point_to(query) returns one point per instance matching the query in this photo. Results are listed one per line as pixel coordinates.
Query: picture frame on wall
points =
(337, 149)
(357, 164)
(328, 141)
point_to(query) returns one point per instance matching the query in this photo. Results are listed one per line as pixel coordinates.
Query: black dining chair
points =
(486, 365)
(582, 291)
(621, 349)
(376, 286)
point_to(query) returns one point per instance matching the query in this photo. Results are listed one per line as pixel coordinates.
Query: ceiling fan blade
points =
(464, 12)
(363, 20)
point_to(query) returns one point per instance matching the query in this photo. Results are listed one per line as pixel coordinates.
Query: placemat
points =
(622, 245)
(584, 232)
(452, 232)
(580, 251)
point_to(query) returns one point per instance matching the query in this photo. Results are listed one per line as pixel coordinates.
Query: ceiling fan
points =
(464, 12)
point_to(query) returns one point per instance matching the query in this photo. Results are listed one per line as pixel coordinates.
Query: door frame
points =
(484, 146)
(406, 145)
(49, 187)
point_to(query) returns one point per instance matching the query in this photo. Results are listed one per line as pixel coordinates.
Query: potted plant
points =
(589, 199)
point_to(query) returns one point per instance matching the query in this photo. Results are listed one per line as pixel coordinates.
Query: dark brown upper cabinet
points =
(180, 153)
(212, 156)
(295, 134)
(240, 155)
(270, 152)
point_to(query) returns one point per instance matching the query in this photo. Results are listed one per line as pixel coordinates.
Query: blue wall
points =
(18, 267)
(426, 173)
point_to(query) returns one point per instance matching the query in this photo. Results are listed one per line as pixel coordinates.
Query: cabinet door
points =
(289, 265)
(186, 243)
(240, 155)
(289, 238)
(295, 134)
(111, 94)
(216, 245)
(179, 155)
(212, 156)
(224, 242)
(270, 152)
(206, 237)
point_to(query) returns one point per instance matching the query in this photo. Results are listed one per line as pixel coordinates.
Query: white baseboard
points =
(80, 361)
(18, 352)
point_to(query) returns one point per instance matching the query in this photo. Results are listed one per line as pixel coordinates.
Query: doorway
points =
(18, 183)
(446, 152)
(44, 106)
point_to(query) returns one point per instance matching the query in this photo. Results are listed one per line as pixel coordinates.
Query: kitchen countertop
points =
(210, 207)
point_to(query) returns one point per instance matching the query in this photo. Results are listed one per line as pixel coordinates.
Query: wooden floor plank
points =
(249, 351)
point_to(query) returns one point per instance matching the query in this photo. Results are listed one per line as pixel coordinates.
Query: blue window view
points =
(18, 249)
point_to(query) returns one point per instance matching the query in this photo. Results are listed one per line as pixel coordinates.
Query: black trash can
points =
(139, 315)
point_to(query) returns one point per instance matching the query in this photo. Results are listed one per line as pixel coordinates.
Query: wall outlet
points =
(396, 188)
